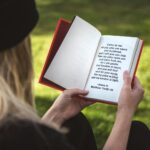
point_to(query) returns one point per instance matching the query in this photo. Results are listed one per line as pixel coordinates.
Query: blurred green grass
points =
(117, 17)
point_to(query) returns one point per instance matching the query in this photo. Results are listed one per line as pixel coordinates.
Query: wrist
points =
(54, 116)
(125, 113)
(57, 118)
(126, 109)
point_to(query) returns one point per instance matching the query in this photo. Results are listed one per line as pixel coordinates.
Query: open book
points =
(81, 57)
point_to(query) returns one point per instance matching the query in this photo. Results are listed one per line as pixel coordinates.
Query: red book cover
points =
(60, 33)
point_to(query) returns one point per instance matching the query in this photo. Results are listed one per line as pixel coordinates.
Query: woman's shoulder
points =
(26, 134)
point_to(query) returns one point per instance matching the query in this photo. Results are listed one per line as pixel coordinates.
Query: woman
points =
(18, 18)
(15, 27)
(20, 128)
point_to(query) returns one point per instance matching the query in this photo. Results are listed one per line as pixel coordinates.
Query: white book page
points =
(71, 64)
(113, 57)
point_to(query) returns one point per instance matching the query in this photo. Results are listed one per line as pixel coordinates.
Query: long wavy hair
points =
(11, 107)
(17, 70)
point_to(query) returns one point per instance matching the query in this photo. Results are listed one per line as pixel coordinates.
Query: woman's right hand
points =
(130, 96)
(129, 99)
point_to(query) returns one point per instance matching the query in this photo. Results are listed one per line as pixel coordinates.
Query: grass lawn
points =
(117, 17)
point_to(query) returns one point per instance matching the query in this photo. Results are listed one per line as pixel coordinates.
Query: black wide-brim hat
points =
(17, 19)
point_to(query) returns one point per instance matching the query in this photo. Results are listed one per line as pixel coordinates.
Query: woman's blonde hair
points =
(16, 68)
(11, 107)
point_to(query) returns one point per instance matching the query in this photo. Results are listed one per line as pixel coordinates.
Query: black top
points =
(28, 135)
(17, 19)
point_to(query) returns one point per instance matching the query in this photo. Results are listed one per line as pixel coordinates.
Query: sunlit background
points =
(116, 17)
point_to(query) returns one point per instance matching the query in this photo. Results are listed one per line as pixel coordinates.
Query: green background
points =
(116, 17)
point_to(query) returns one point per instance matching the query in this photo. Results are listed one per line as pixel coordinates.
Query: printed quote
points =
(108, 63)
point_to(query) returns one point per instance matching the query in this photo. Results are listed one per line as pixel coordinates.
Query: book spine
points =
(138, 61)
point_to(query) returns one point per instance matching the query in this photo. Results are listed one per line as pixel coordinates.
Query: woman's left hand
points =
(66, 106)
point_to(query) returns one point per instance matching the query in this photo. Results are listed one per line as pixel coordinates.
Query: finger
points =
(90, 102)
(127, 79)
(137, 84)
(137, 87)
(86, 102)
(75, 92)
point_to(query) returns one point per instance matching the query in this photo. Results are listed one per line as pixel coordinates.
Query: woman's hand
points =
(129, 99)
(66, 106)
(130, 96)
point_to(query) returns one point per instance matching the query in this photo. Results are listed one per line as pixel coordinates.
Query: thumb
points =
(86, 102)
(127, 79)
(136, 83)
